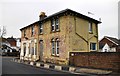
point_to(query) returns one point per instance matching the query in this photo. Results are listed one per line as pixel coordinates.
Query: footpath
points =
(71, 69)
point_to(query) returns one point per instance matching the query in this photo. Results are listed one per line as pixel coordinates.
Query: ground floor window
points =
(35, 49)
(55, 47)
(29, 48)
(24, 48)
(32, 50)
(93, 46)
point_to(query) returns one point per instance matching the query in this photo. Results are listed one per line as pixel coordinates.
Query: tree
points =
(3, 31)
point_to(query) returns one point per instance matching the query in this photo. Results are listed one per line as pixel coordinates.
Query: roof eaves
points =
(63, 11)
(29, 25)
(112, 41)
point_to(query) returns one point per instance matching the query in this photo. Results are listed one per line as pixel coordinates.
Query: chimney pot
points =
(42, 15)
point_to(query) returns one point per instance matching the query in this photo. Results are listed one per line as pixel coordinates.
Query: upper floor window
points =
(90, 27)
(33, 30)
(93, 47)
(41, 28)
(55, 24)
(24, 32)
(52, 25)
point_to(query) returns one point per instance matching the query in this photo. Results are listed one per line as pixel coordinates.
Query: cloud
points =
(20, 13)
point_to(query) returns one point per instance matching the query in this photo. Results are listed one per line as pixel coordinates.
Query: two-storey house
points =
(56, 36)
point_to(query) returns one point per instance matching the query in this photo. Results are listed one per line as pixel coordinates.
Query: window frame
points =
(41, 28)
(24, 32)
(35, 49)
(92, 46)
(24, 48)
(55, 47)
(57, 24)
(90, 26)
(32, 30)
(55, 27)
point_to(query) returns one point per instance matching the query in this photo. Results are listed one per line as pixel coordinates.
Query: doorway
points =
(41, 50)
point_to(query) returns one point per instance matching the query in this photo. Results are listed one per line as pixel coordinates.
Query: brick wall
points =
(106, 60)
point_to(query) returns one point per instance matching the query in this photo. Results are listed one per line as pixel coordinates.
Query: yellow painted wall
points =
(80, 37)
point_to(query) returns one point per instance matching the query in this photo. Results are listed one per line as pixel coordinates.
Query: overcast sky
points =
(15, 14)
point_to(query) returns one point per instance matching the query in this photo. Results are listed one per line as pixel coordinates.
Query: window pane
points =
(52, 25)
(57, 23)
(57, 51)
(32, 30)
(35, 48)
(32, 50)
(52, 28)
(24, 45)
(90, 27)
(41, 28)
(24, 33)
(57, 47)
(53, 49)
(93, 46)
(57, 27)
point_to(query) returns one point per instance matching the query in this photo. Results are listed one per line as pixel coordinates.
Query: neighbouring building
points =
(18, 41)
(12, 42)
(52, 38)
(4, 46)
(3, 41)
(109, 44)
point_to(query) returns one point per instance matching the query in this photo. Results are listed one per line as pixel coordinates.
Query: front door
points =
(41, 50)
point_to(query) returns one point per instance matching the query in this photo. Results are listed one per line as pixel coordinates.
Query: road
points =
(10, 67)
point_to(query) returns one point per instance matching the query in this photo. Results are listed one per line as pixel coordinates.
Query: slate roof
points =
(11, 39)
(113, 40)
(60, 13)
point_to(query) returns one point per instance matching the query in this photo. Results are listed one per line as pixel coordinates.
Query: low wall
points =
(103, 60)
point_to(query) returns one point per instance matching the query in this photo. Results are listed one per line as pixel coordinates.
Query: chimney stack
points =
(42, 16)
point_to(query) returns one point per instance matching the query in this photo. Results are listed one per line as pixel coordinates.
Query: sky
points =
(15, 14)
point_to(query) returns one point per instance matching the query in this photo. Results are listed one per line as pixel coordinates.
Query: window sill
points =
(40, 33)
(55, 31)
(90, 32)
(93, 50)
(32, 35)
(58, 30)
(55, 55)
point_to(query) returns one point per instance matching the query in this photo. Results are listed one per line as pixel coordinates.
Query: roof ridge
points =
(112, 39)
(63, 11)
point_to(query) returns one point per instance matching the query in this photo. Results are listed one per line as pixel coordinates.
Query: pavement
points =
(72, 69)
